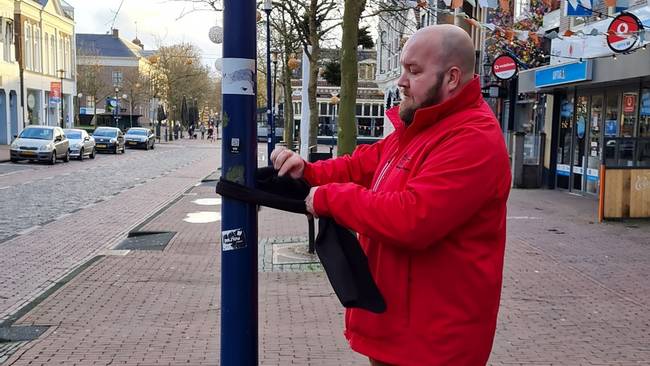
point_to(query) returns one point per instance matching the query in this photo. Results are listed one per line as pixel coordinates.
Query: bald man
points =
(429, 205)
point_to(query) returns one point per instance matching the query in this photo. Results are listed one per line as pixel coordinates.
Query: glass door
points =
(579, 160)
(563, 167)
(593, 145)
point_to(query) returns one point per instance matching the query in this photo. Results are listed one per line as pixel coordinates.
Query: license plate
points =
(101, 145)
(28, 153)
(132, 143)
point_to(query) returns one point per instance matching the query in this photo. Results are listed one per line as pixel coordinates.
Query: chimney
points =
(116, 33)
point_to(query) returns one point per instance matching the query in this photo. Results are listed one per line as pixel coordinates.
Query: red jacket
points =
(429, 205)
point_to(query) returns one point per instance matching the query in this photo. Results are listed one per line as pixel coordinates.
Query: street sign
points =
(504, 67)
(629, 103)
(623, 32)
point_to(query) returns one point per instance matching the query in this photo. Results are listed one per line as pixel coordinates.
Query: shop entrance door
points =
(563, 168)
(593, 147)
(579, 162)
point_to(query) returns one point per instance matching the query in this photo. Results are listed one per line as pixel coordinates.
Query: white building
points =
(10, 112)
(45, 52)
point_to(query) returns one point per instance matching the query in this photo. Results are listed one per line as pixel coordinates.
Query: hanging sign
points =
(504, 67)
(629, 103)
(55, 92)
(623, 32)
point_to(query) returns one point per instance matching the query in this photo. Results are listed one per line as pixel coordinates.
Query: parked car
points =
(109, 139)
(140, 137)
(81, 144)
(40, 143)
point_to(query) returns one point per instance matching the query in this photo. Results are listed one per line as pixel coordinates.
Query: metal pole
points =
(239, 319)
(62, 105)
(269, 93)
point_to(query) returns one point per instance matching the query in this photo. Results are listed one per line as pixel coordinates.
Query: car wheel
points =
(92, 153)
(14, 161)
(81, 154)
(53, 159)
(66, 158)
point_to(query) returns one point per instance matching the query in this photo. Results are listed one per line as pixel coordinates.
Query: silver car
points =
(40, 143)
(81, 143)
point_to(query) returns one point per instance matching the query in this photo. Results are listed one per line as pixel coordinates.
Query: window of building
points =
(29, 48)
(61, 57)
(7, 40)
(52, 55)
(37, 49)
(117, 78)
(46, 54)
(90, 101)
(359, 109)
(323, 109)
(66, 58)
(366, 109)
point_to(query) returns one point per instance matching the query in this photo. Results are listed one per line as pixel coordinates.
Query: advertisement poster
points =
(611, 128)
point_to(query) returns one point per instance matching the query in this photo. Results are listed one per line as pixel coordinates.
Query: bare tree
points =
(89, 81)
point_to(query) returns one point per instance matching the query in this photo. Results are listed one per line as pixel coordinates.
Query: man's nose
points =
(402, 82)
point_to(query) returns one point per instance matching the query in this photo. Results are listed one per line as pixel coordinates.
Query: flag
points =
(505, 5)
(578, 8)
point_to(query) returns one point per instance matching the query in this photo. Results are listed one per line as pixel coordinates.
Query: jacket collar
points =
(424, 117)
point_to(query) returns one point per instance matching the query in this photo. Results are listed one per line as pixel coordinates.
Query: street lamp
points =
(269, 94)
(116, 110)
(335, 101)
(126, 97)
(61, 77)
(274, 58)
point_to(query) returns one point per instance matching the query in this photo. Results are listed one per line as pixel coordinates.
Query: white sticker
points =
(238, 76)
(233, 239)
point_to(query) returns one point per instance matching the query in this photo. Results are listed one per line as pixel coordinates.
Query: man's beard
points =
(434, 97)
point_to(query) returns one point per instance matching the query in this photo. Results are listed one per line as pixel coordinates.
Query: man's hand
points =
(309, 201)
(286, 161)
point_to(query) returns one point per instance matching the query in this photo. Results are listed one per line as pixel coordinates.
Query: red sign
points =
(623, 32)
(504, 67)
(55, 90)
(629, 103)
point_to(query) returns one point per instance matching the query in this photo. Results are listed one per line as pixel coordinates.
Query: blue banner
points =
(578, 8)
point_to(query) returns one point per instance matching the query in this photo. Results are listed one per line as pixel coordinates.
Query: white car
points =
(40, 143)
(81, 143)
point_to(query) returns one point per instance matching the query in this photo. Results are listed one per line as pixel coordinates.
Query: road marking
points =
(29, 230)
(7, 187)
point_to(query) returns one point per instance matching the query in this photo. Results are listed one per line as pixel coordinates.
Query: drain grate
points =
(146, 240)
(14, 337)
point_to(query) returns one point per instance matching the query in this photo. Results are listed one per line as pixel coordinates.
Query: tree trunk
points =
(347, 121)
(288, 102)
(314, 40)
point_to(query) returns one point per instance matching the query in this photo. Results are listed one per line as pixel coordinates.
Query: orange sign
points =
(629, 103)
(55, 90)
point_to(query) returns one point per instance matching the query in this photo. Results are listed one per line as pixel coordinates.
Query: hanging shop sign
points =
(563, 74)
(629, 103)
(504, 67)
(623, 32)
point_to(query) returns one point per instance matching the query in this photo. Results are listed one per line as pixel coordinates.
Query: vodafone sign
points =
(623, 32)
(504, 67)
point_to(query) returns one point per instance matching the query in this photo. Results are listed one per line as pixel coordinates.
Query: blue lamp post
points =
(269, 93)
(239, 339)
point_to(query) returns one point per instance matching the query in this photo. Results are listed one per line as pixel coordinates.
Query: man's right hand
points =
(286, 161)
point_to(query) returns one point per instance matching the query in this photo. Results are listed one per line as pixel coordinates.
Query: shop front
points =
(600, 125)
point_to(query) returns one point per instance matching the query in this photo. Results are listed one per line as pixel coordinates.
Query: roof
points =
(105, 45)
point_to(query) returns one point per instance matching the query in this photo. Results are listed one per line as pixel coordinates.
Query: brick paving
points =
(575, 293)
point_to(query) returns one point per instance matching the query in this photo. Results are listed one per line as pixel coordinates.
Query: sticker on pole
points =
(232, 240)
(623, 32)
(504, 67)
(238, 76)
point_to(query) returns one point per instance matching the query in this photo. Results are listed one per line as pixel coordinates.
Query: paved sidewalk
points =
(575, 293)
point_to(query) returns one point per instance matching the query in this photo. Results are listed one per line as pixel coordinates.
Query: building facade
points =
(369, 105)
(10, 92)
(114, 76)
(597, 109)
(45, 52)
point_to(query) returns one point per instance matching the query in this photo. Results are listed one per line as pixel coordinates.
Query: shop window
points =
(628, 117)
(611, 128)
(564, 142)
(644, 114)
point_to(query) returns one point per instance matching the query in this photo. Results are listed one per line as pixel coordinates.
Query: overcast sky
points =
(157, 22)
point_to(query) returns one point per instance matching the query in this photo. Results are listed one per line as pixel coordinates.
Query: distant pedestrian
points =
(211, 133)
(202, 129)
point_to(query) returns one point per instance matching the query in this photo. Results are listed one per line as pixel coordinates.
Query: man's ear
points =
(454, 75)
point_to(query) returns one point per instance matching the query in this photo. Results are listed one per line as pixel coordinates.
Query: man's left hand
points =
(309, 201)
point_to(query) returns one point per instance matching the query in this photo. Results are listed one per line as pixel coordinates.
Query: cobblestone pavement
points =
(33, 194)
(36, 260)
(575, 293)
